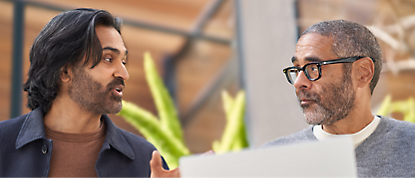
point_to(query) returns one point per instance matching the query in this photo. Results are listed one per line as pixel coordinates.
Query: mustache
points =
(116, 82)
(302, 94)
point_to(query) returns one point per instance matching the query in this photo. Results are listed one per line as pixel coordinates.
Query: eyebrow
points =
(308, 59)
(114, 50)
(293, 59)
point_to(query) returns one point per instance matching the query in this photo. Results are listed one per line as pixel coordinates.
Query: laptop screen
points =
(333, 158)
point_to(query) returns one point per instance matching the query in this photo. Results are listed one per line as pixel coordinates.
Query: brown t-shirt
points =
(75, 155)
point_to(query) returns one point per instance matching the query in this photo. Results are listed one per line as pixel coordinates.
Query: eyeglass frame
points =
(319, 64)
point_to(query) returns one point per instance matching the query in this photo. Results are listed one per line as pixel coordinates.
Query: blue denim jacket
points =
(25, 151)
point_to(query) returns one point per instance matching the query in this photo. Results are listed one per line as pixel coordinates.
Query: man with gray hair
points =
(336, 67)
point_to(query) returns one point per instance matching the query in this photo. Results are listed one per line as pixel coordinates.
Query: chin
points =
(313, 118)
(313, 121)
(113, 108)
(117, 108)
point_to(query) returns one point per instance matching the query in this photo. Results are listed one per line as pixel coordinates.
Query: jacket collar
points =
(33, 128)
(116, 139)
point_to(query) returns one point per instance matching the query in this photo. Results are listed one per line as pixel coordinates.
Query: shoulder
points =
(11, 126)
(301, 136)
(12, 122)
(397, 128)
(9, 131)
(388, 151)
(390, 134)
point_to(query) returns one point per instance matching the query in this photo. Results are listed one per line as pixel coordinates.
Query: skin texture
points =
(157, 169)
(339, 100)
(102, 99)
(81, 88)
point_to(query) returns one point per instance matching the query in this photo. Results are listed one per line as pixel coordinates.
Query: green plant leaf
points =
(234, 134)
(149, 126)
(384, 109)
(166, 109)
(410, 113)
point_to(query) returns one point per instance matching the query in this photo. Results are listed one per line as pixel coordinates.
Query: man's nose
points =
(121, 72)
(302, 82)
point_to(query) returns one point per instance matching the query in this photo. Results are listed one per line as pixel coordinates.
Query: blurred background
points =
(206, 46)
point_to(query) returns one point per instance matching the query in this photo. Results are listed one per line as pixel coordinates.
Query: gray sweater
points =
(388, 152)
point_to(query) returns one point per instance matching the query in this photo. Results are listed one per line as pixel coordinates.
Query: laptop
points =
(332, 158)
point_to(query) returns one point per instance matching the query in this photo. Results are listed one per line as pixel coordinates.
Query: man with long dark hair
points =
(76, 77)
(336, 67)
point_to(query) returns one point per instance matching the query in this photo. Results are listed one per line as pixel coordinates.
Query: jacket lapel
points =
(114, 138)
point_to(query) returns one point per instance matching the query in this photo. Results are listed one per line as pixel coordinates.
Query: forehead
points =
(109, 37)
(313, 47)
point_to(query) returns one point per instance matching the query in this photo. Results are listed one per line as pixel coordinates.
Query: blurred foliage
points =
(165, 132)
(234, 136)
(406, 107)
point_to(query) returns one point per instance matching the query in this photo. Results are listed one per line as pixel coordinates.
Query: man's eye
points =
(312, 68)
(108, 59)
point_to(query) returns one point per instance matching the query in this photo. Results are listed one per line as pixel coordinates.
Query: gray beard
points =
(332, 104)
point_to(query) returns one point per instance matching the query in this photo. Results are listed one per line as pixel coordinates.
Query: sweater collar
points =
(357, 137)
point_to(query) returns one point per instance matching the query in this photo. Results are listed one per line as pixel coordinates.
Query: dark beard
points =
(332, 104)
(92, 95)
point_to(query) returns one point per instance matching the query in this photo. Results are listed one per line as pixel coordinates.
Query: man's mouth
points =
(306, 102)
(306, 98)
(116, 87)
(118, 90)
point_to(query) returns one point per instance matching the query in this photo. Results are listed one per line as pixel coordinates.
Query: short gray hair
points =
(351, 39)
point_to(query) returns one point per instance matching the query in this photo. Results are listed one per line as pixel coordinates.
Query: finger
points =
(157, 169)
(175, 172)
(155, 162)
(210, 152)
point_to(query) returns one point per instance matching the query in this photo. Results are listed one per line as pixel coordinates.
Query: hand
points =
(157, 169)
(210, 152)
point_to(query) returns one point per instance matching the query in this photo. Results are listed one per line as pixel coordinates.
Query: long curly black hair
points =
(63, 42)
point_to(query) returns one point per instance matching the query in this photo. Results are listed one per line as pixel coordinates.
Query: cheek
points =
(326, 90)
(101, 75)
(329, 80)
(328, 75)
(322, 92)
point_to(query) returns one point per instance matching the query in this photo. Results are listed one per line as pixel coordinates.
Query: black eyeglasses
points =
(312, 70)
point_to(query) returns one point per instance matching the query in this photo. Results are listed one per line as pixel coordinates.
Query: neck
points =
(66, 116)
(357, 119)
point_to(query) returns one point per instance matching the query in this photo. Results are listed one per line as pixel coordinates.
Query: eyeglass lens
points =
(311, 71)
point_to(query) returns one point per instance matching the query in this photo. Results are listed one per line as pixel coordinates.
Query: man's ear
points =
(364, 71)
(66, 74)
